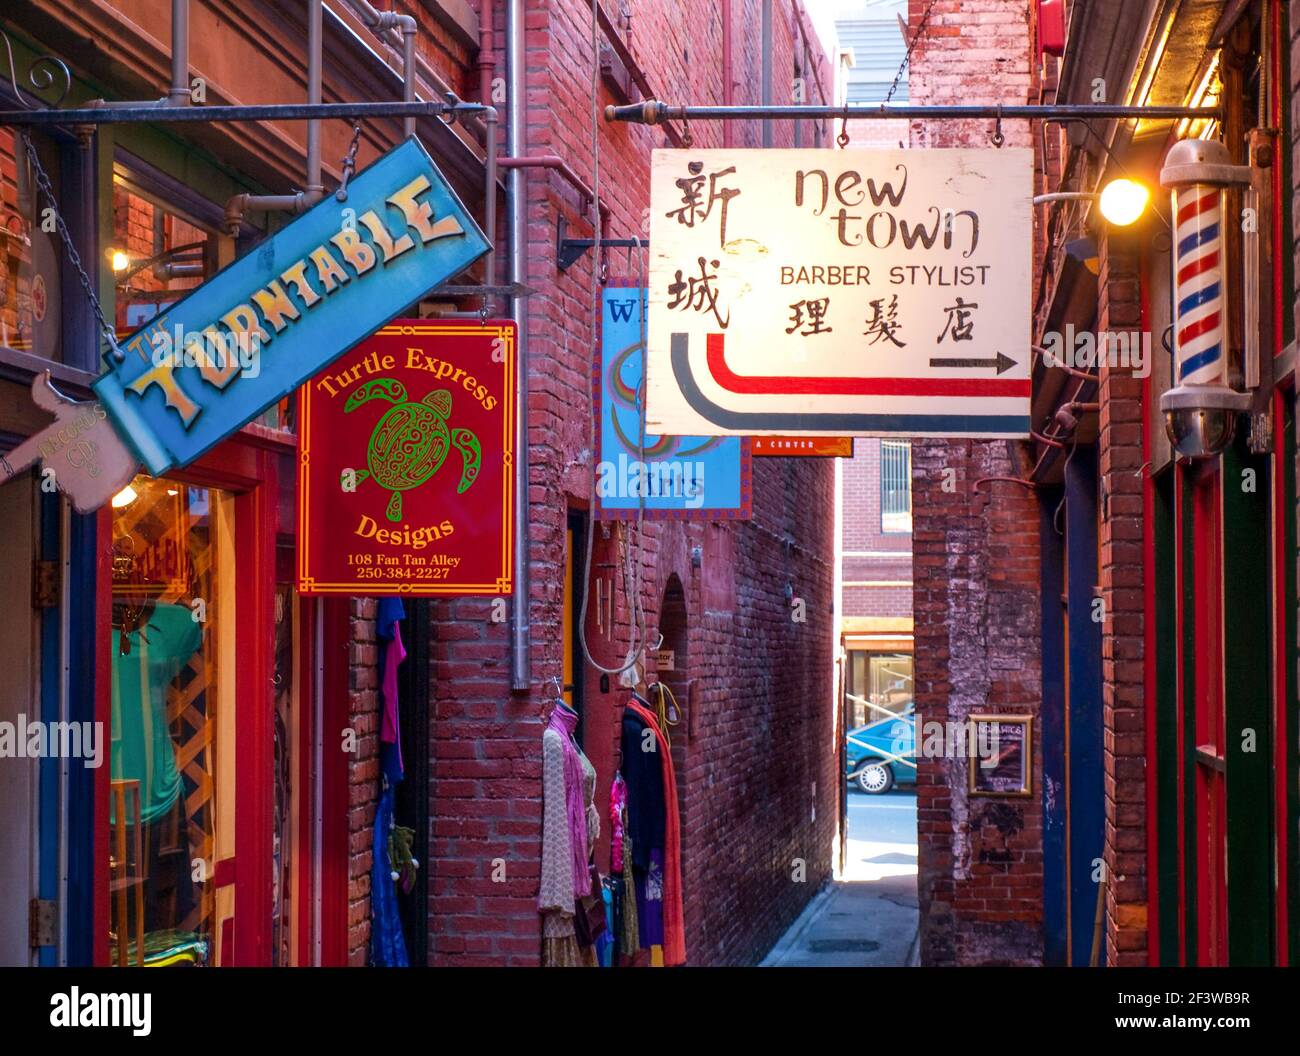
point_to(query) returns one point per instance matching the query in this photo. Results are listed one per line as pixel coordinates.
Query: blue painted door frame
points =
(1085, 795)
(1052, 732)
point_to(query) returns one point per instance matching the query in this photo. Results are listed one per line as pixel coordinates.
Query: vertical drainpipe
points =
(407, 26)
(486, 67)
(240, 204)
(520, 675)
(767, 68)
(179, 93)
(728, 127)
(315, 60)
(409, 72)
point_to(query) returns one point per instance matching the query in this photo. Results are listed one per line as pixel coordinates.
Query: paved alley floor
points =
(869, 917)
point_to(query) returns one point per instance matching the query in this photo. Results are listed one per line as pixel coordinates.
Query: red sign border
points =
(504, 584)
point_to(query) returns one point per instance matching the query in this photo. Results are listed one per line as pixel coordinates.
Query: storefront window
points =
(30, 304)
(884, 679)
(895, 486)
(172, 795)
(157, 255)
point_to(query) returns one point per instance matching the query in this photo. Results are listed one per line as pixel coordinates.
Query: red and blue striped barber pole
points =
(1198, 278)
(1201, 410)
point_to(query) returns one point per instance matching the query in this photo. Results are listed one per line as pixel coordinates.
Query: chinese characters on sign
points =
(819, 292)
(405, 450)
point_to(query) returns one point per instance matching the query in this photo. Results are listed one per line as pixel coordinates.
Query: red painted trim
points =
(224, 873)
(791, 386)
(335, 805)
(1281, 730)
(1281, 560)
(254, 743)
(1180, 543)
(101, 911)
(304, 847)
(1150, 689)
(1211, 804)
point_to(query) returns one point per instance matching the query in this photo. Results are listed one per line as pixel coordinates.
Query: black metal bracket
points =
(568, 251)
(513, 289)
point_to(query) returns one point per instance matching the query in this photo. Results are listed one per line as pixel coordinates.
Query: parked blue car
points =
(883, 753)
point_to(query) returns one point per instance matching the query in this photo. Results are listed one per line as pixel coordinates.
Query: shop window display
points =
(29, 256)
(171, 804)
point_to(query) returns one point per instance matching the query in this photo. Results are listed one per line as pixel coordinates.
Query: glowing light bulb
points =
(120, 260)
(124, 497)
(1123, 201)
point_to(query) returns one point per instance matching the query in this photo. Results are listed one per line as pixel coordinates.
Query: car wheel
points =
(876, 779)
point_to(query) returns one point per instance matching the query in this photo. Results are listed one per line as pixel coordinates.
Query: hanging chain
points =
(997, 138)
(349, 163)
(907, 57)
(843, 138)
(43, 182)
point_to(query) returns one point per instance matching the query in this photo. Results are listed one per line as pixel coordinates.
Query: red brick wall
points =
(889, 554)
(976, 570)
(363, 772)
(1123, 644)
(758, 734)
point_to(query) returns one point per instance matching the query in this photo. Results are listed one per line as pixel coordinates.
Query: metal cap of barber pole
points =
(1201, 412)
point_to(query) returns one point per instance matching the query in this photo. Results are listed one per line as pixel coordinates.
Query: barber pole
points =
(1201, 411)
(1198, 303)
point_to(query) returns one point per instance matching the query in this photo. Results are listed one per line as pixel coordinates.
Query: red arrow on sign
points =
(775, 385)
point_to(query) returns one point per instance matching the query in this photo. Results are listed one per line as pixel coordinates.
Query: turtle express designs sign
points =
(405, 480)
(253, 333)
(676, 477)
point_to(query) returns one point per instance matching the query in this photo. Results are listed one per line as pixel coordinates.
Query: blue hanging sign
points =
(670, 477)
(253, 333)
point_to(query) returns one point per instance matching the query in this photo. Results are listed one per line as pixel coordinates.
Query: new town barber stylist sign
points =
(840, 292)
(249, 336)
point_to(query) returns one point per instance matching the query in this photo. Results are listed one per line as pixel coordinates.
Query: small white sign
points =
(840, 292)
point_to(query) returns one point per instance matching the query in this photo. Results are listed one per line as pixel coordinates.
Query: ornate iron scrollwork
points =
(44, 71)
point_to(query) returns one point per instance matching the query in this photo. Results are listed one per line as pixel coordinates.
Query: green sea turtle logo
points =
(411, 441)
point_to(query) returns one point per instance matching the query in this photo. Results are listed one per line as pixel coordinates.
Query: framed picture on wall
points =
(1002, 755)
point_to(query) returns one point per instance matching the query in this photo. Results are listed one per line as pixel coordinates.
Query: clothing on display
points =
(387, 945)
(661, 874)
(570, 827)
(142, 747)
(644, 775)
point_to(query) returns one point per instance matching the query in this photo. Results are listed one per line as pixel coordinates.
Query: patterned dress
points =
(560, 948)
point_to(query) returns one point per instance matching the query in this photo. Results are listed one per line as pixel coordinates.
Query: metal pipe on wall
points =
(767, 67)
(383, 20)
(178, 93)
(516, 132)
(728, 87)
(240, 204)
(486, 67)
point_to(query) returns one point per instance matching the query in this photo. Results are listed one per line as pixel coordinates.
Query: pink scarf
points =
(564, 721)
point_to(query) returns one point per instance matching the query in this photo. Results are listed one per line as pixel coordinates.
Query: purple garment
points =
(650, 899)
(564, 721)
(393, 655)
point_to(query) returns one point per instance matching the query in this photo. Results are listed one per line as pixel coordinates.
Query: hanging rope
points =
(631, 568)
